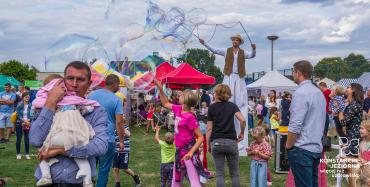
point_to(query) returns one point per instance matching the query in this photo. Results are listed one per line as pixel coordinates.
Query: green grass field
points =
(144, 160)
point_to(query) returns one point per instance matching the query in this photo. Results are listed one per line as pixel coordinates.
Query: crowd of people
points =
(310, 113)
(78, 130)
(15, 116)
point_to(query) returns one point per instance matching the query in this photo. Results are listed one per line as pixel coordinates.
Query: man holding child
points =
(77, 78)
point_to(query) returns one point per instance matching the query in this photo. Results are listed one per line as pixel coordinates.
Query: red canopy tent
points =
(186, 75)
(163, 69)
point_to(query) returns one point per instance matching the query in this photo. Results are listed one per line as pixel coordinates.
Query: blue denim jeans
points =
(105, 163)
(326, 129)
(267, 119)
(250, 121)
(19, 132)
(258, 175)
(304, 165)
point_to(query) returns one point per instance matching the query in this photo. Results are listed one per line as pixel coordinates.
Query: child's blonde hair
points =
(51, 77)
(190, 99)
(223, 92)
(258, 132)
(204, 105)
(366, 124)
(339, 90)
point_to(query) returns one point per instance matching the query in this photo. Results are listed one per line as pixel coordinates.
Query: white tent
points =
(364, 80)
(328, 82)
(345, 82)
(272, 80)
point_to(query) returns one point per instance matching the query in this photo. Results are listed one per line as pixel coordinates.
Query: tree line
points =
(333, 68)
(18, 70)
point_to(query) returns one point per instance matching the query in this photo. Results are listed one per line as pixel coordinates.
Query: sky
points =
(307, 29)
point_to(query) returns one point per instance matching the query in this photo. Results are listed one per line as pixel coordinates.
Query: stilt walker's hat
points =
(239, 37)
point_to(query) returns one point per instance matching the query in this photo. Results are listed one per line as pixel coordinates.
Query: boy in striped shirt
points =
(121, 160)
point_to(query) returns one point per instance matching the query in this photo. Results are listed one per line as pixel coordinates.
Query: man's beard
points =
(295, 80)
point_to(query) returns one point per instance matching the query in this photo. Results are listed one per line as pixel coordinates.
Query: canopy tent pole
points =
(198, 97)
(137, 109)
(155, 102)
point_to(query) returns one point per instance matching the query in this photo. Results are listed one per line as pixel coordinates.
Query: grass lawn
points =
(144, 160)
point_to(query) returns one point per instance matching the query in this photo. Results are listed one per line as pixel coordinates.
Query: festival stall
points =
(136, 77)
(142, 79)
(33, 84)
(154, 58)
(185, 75)
(99, 70)
(272, 80)
(163, 69)
(144, 83)
(6, 79)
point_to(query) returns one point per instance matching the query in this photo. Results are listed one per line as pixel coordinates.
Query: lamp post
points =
(272, 38)
(171, 61)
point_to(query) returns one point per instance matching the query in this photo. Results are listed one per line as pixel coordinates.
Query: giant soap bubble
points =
(68, 48)
(142, 73)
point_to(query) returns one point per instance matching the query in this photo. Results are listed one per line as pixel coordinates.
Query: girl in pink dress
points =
(260, 152)
(188, 138)
(150, 117)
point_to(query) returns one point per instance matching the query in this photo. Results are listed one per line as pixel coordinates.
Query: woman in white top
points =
(271, 101)
(23, 125)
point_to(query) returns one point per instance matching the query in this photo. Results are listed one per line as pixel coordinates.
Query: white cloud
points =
(341, 31)
(360, 1)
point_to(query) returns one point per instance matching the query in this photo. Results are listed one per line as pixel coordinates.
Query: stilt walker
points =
(234, 73)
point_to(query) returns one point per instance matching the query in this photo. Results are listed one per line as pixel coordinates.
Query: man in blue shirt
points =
(114, 107)
(77, 78)
(306, 127)
(7, 100)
